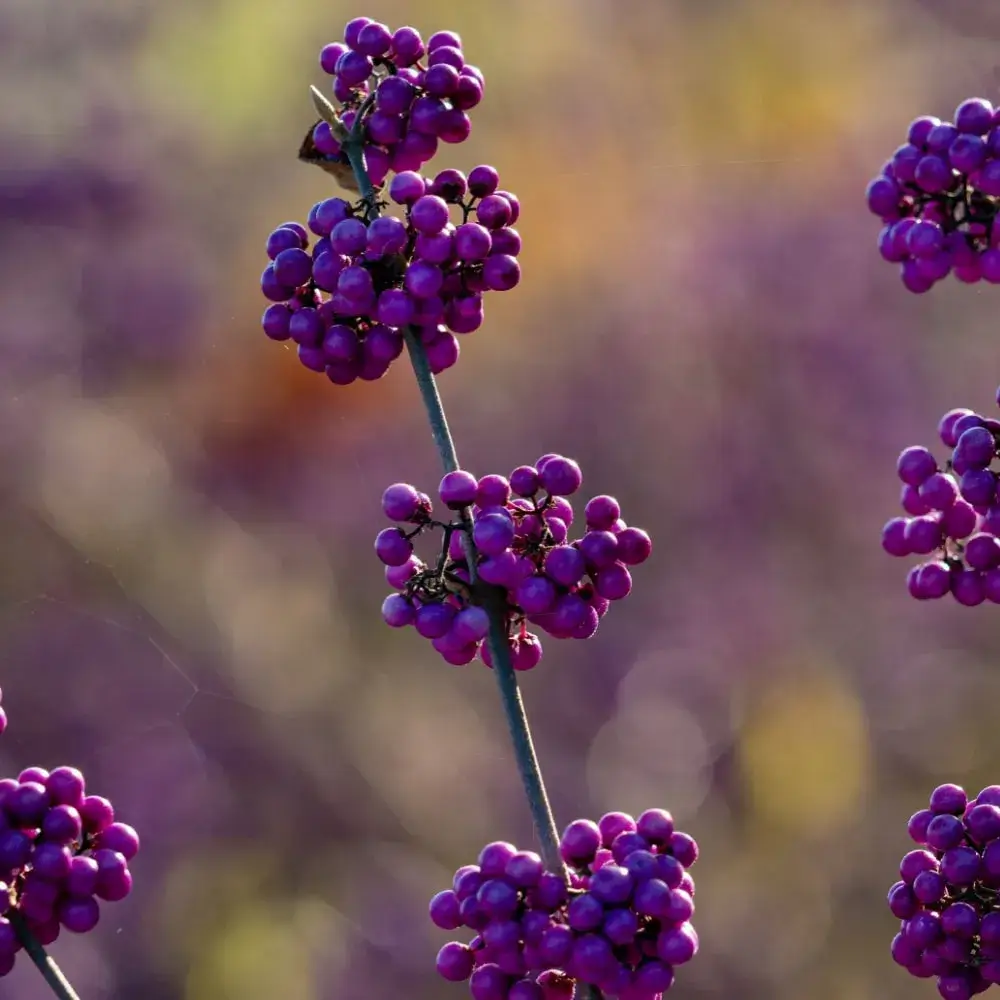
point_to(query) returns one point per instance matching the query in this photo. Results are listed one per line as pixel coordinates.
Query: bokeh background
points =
(189, 603)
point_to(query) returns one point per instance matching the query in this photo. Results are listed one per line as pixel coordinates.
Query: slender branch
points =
(517, 722)
(431, 398)
(510, 695)
(51, 972)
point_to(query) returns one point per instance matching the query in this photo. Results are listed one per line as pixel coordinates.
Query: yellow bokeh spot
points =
(201, 891)
(226, 68)
(766, 83)
(223, 917)
(804, 753)
(254, 956)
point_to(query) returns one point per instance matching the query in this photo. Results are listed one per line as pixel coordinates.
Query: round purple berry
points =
(458, 489)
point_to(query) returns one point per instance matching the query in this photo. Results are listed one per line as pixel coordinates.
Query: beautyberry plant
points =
(369, 276)
(61, 852)
(421, 95)
(345, 303)
(947, 896)
(954, 514)
(520, 530)
(621, 924)
(937, 197)
(608, 907)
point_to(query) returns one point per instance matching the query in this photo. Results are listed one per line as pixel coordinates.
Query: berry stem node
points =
(328, 113)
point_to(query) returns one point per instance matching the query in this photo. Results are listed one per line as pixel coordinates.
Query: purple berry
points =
(292, 267)
(902, 901)
(455, 962)
(458, 489)
(27, 804)
(398, 611)
(614, 582)
(494, 211)
(62, 825)
(974, 116)
(81, 880)
(961, 865)
(677, 945)
(393, 547)
(524, 868)
(634, 546)
(407, 46)
(96, 813)
(429, 214)
(494, 858)
(939, 491)
(444, 910)
(78, 915)
(948, 799)
(601, 513)
(524, 481)
(114, 881)
(483, 181)
(580, 842)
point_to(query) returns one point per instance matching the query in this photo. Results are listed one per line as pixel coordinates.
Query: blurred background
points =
(189, 602)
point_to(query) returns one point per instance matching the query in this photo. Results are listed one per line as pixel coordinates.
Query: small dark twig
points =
(51, 972)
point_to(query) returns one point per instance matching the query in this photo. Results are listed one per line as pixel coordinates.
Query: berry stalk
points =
(51, 972)
(510, 695)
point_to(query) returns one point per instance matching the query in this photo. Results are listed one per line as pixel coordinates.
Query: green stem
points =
(51, 972)
(510, 695)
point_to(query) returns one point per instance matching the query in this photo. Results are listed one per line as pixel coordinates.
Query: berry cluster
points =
(519, 530)
(938, 197)
(954, 512)
(422, 271)
(60, 851)
(947, 896)
(416, 103)
(621, 924)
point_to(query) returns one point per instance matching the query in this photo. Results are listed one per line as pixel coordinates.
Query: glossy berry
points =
(348, 301)
(413, 108)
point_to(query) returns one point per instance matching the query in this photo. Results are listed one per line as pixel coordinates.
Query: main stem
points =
(510, 694)
(51, 972)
